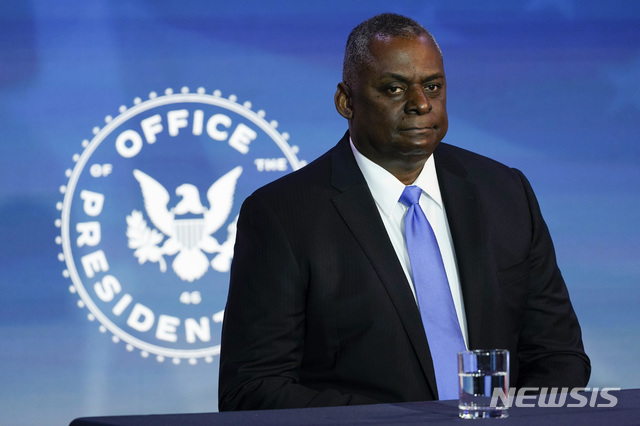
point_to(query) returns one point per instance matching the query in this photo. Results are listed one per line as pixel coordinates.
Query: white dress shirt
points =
(386, 190)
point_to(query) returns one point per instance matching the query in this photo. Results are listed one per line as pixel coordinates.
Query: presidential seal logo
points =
(149, 214)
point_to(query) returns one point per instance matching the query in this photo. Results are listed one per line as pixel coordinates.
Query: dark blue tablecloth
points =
(625, 412)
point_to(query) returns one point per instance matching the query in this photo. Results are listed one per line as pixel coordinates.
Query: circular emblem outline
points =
(81, 160)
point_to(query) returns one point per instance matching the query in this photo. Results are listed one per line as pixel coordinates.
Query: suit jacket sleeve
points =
(550, 350)
(264, 326)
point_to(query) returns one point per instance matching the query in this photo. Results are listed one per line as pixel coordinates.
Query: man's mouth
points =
(418, 130)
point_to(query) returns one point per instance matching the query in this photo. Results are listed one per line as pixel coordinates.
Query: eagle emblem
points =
(187, 227)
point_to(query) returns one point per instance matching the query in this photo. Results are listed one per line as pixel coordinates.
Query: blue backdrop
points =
(129, 127)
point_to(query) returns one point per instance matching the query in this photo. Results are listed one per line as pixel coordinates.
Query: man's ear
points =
(342, 100)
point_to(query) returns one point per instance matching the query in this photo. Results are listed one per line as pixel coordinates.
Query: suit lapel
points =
(357, 207)
(465, 222)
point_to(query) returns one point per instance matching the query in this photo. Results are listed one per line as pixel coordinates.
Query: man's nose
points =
(417, 102)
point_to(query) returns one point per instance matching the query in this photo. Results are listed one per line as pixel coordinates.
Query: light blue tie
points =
(434, 295)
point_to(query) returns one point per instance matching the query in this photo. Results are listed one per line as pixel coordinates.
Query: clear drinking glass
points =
(481, 373)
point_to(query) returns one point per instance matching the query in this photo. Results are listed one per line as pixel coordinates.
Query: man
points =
(324, 303)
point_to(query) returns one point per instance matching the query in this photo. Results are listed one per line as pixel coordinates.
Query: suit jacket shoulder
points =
(512, 287)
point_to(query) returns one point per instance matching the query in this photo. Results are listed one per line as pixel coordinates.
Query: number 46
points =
(190, 298)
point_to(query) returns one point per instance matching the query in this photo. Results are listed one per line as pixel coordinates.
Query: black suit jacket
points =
(320, 312)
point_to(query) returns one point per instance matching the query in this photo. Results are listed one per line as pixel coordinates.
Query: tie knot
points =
(410, 195)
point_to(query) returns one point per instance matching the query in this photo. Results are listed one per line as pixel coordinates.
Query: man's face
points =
(398, 109)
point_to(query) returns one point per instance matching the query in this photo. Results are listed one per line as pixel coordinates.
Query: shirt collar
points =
(387, 189)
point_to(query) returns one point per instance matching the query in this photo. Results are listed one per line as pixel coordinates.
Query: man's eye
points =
(394, 90)
(432, 88)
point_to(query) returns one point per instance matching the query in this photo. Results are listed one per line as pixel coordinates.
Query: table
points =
(625, 412)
